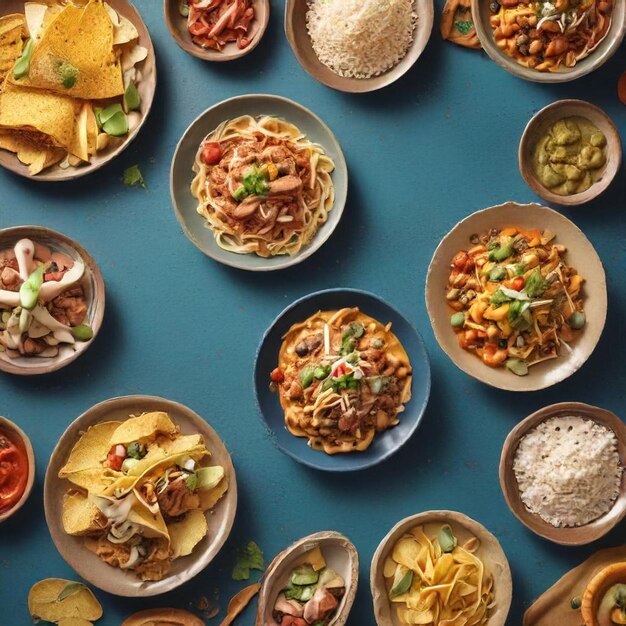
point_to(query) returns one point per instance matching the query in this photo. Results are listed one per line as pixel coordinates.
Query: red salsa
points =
(13, 469)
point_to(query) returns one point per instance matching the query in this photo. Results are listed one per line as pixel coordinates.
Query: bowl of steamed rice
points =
(358, 45)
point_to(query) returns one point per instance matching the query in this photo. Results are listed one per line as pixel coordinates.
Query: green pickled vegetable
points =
(446, 539)
(402, 582)
(307, 375)
(577, 320)
(497, 274)
(84, 332)
(457, 320)
(304, 575)
(132, 101)
(29, 291)
(116, 125)
(22, 66)
(517, 366)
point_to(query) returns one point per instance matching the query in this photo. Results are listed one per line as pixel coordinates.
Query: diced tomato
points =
(277, 375)
(340, 370)
(116, 457)
(518, 283)
(463, 262)
(212, 153)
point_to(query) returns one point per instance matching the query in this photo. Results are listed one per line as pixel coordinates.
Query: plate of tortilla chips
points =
(140, 495)
(77, 81)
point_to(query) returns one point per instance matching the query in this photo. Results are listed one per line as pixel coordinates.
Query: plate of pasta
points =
(258, 182)
(342, 380)
(547, 41)
(516, 296)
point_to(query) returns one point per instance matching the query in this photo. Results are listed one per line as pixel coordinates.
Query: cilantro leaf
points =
(191, 482)
(463, 26)
(68, 74)
(248, 558)
(134, 177)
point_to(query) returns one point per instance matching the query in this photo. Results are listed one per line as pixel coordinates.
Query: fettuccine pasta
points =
(262, 186)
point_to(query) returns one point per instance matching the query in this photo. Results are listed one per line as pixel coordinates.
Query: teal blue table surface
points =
(422, 154)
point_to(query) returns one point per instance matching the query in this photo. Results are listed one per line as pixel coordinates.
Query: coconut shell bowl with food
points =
(52, 300)
(562, 472)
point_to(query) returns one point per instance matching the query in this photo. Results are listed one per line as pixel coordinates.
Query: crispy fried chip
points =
(155, 617)
(186, 534)
(56, 599)
(81, 516)
(29, 152)
(145, 426)
(80, 38)
(12, 33)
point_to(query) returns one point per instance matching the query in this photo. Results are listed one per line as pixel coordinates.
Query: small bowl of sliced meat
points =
(52, 300)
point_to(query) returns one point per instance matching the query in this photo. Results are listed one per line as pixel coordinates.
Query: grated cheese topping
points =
(568, 470)
(361, 38)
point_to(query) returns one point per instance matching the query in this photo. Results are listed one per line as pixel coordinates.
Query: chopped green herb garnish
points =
(463, 26)
(248, 558)
(136, 450)
(535, 284)
(191, 482)
(68, 74)
(22, 66)
(499, 297)
(134, 177)
(254, 183)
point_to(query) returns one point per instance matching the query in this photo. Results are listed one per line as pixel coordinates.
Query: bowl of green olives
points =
(570, 152)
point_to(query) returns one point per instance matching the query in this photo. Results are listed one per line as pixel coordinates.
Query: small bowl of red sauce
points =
(17, 468)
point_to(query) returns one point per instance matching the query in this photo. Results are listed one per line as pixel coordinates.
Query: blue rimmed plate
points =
(181, 174)
(385, 444)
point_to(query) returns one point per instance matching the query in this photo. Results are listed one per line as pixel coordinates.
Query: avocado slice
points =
(402, 581)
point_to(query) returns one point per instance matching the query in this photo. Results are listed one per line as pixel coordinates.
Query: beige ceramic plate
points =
(538, 127)
(300, 41)
(567, 536)
(92, 284)
(87, 564)
(553, 608)
(177, 25)
(490, 552)
(604, 51)
(9, 426)
(146, 87)
(580, 254)
(339, 554)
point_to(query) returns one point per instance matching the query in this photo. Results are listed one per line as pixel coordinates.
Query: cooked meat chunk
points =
(176, 498)
(309, 344)
(70, 307)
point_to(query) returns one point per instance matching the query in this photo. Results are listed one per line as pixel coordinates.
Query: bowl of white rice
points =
(562, 472)
(358, 45)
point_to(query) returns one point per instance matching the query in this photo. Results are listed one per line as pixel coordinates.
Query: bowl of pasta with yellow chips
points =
(437, 568)
(140, 495)
(77, 81)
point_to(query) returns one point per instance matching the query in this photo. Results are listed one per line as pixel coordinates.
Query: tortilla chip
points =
(210, 497)
(81, 516)
(36, 156)
(12, 33)
(55, 599)
(91, 450)
(81, 37)
(187, 534)
(48, 113)
(124, 30)
(145, 426)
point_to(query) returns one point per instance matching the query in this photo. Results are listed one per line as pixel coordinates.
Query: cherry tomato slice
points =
(212, 153)
(518, 283)
(114, 459)
(277, 375)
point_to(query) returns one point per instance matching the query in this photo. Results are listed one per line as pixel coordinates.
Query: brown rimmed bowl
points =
(490, 552)
(604, 51)
(177, 25)
(540, 124)
(92, 284)
(8, 425)
(300, 42)
(86, 564)
(569, 536)
(146, 88)
(580, 254)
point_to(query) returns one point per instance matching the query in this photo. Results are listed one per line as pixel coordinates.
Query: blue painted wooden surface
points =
(424, 153)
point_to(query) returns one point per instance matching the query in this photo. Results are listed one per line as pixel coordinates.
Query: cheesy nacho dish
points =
(139, 492)
(342, 377)
(68, 81)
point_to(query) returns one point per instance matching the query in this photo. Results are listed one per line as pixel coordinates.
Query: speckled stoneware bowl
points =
(605, 50)
(177, 25)
(181, 174)
(339, 554)
(11, 427)
(146, 88)
(490, 552)
(538, 127)
(92, 284)
(86, 564)
(568, 536)
(384, 444)
(300, 42)
(580, 254)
